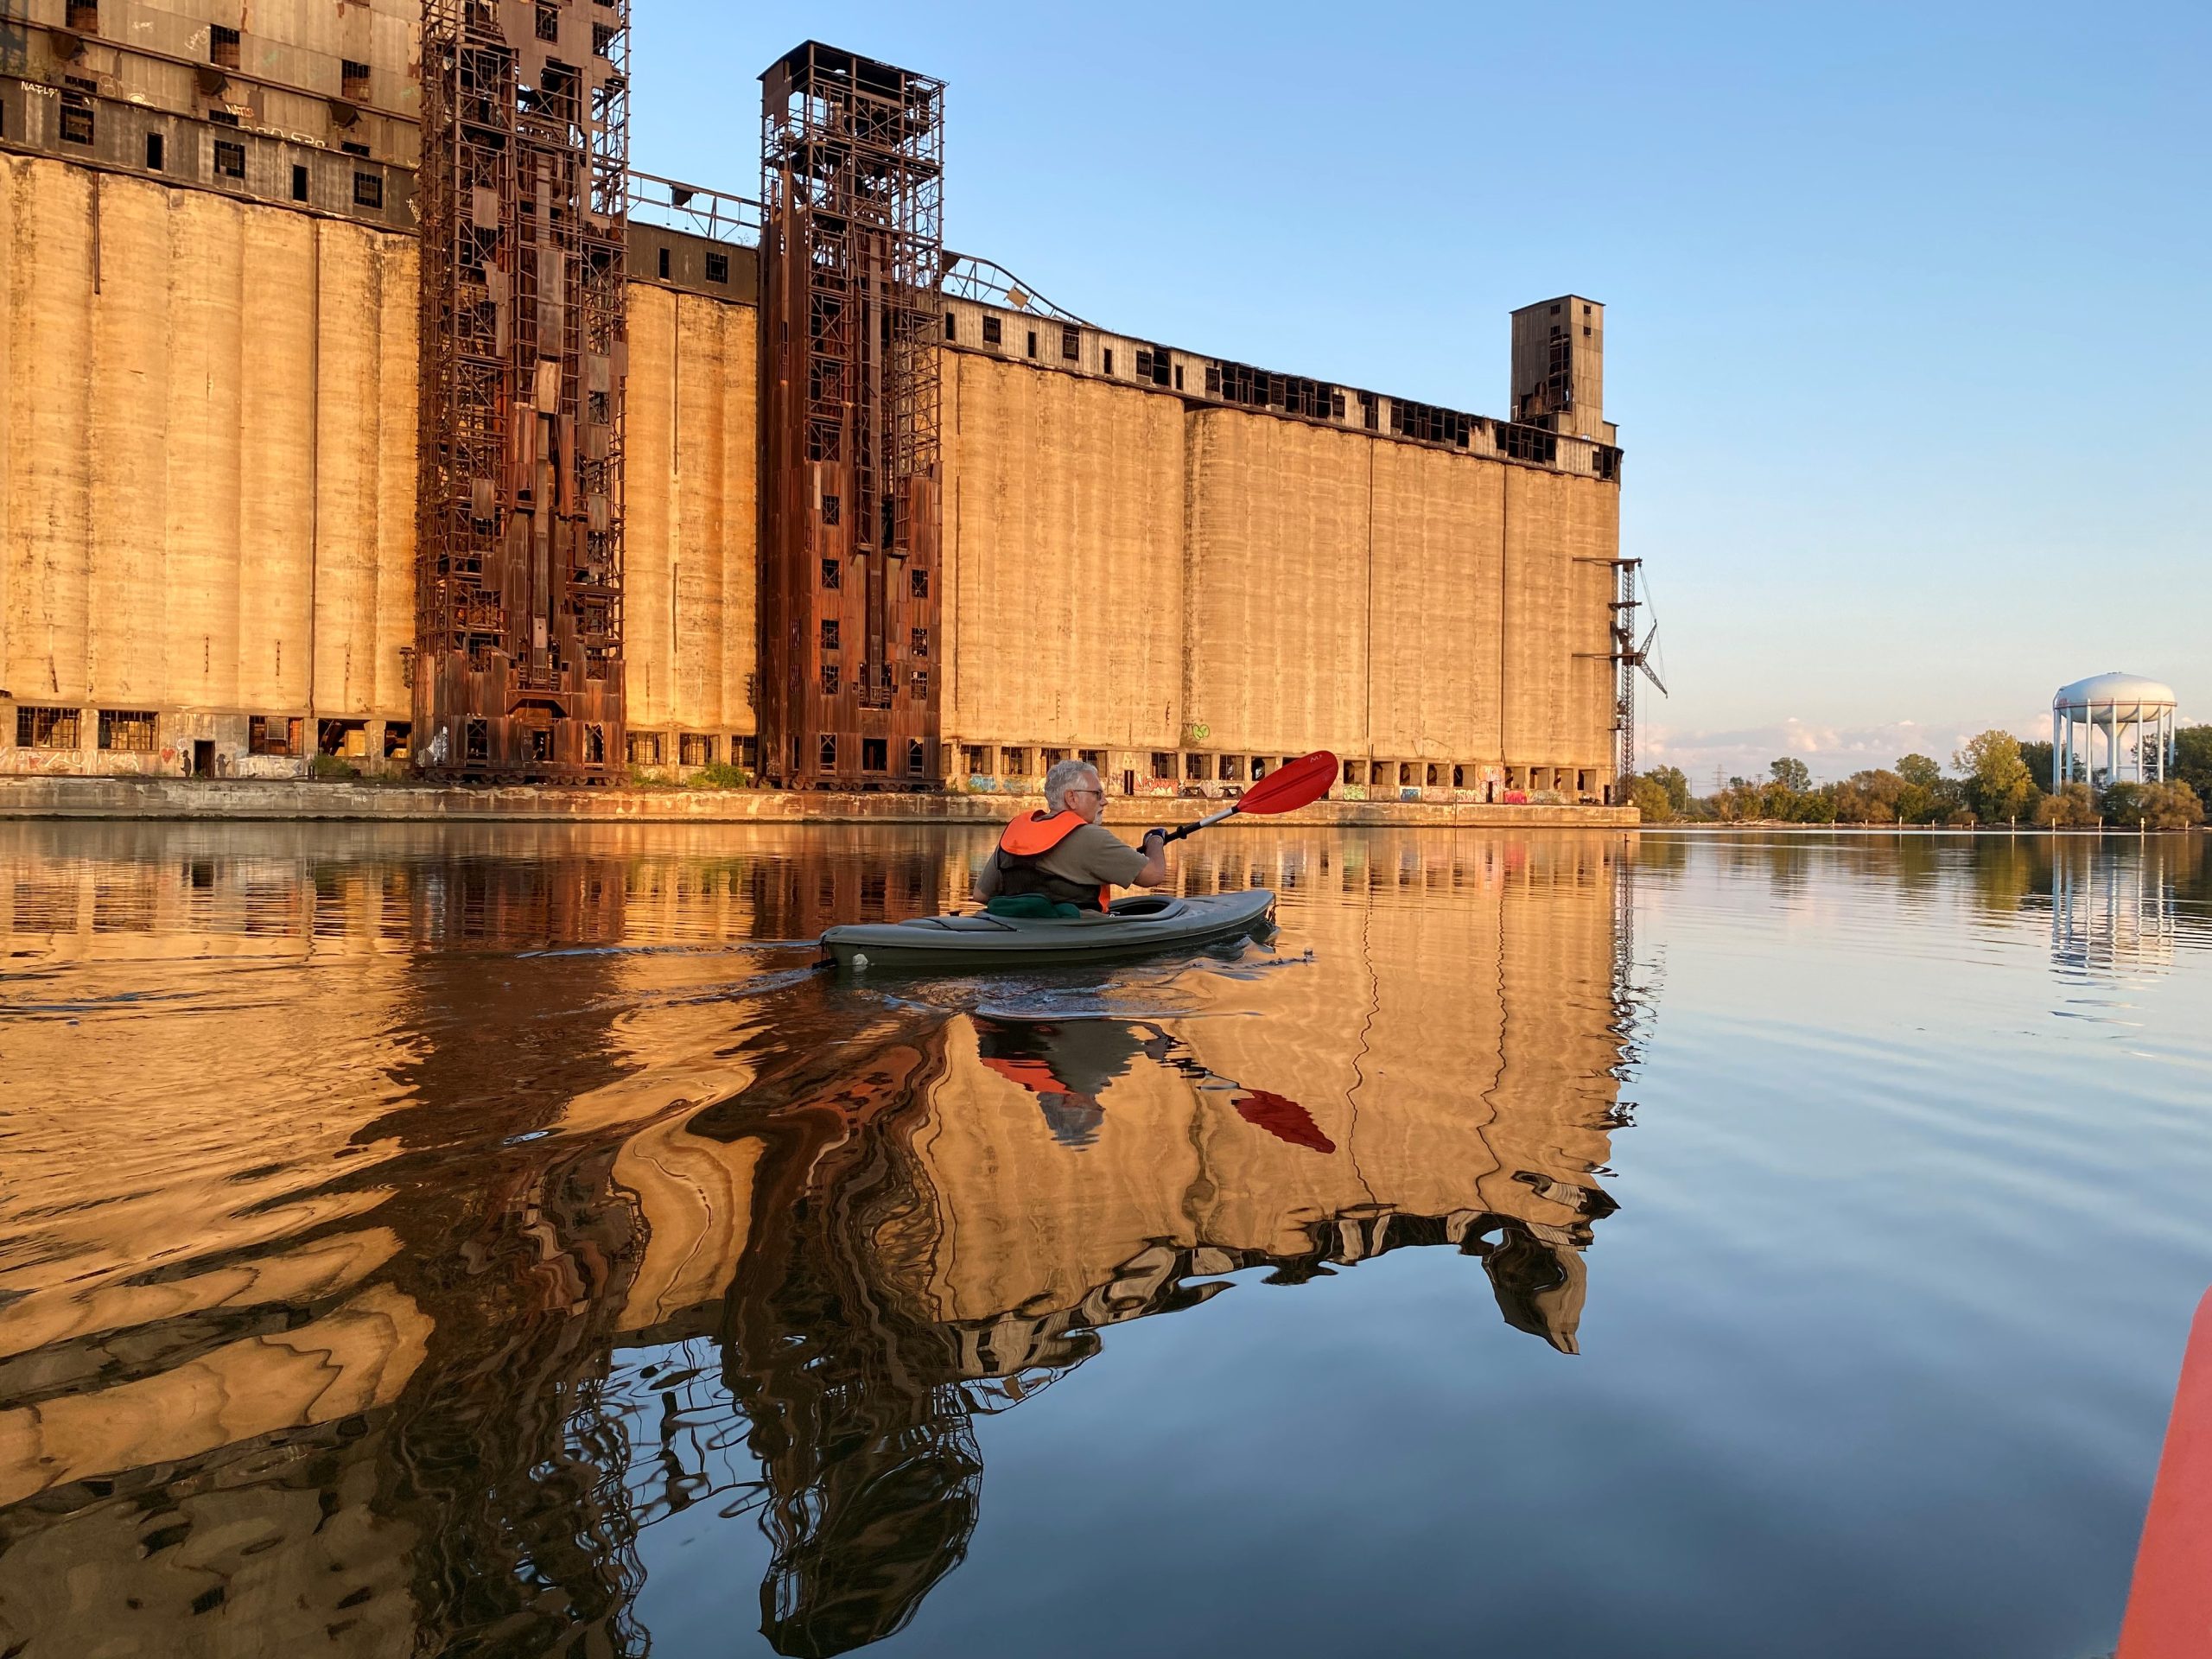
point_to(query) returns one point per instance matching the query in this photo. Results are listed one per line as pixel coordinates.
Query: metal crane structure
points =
(1630, 655)
(852, 253)
(523, 197)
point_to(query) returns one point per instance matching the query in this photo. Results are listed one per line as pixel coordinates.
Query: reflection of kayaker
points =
(1068, 1064)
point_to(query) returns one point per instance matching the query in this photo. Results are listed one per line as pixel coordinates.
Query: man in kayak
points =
(1063, 857)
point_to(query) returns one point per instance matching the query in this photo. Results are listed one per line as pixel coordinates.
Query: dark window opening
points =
(1198, 768)
(229, 159)
(921, 642)
(1232, 768)
(1605, 461)
(1458, 777)
(1163, 766)
(875, 754)
(973, 761)
(46, 728)
(664, 264)
(602, 38)
(1013, 763)
(368, 190)
(833, 575)
(1369, 412)
(1236, 383)
(273, 735)
(951, 328)
(993, 331)
(223, 45)
(695, 749)
(353, 81)
(1032, 342)
(84, 17)
(76, 120)
(745, 751)
(831, 506)
(1109, 352)
(827, 749)
(153, 151)
(128, 730)
(917, 686)
(830, 679)
(1528, 442)
(917, 758)
(541, 742)
(1178, 376)
(917, 583)
(361, 150)
(397, 733)
(223, 117)
(549, 22)
(1430, 425)
(595, 745)
(299, 184)
(1071, 344)
(718, 267)
(645, 748)
(476, 740)
(829, 633)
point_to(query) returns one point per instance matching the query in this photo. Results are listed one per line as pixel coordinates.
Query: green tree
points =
(1677, 787)
(1792, 774)
(1649, 797)
(2037, 756)
(2162, 806)
(1998, 785)
(2193, 760)
(1919, 772)
(2072, 807)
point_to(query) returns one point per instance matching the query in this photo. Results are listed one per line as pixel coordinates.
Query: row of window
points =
(718, 266)
(693, 749)
(833, 570)
(137, 731)
(834, 681)
(918, 644)
(129, 730)
(875, 755)
(227, 160)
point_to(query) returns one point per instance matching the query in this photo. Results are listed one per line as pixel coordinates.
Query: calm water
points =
(497, 1241)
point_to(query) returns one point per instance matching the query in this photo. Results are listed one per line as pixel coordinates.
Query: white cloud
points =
(1828, 751)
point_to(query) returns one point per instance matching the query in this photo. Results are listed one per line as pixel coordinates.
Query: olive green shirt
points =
(1090, 855)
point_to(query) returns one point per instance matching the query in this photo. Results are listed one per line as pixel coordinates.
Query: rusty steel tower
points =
(851, 257)
(523, 194)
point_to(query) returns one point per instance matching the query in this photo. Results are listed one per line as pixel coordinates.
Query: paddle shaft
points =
(1206, 822)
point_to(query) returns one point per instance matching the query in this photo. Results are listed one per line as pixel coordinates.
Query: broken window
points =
(718, 267)
(645, 748)
(476, 740)
(76, 119)
(917, 685)
(549, 22)
(973, 761)
(229, 159)
(1232, 769)
(918, 583)
(1197, 768)
(831, 506)
(602, 37)
(368, 190)
(833, 575)
(1429, 424)
(827, 750)
(830, 679)
(917, 758)
(1014, 762)
(397, 732)
(695, 749)
(594, 744)
(1095, 759)
(1163, 766)
(361, 150)
(920, 642)
(875, 754)
(829, 633)
(1071, 344)
(993, 331)
(273, 734)
(223, 45)
(46, 728)
(353, 81)
(1528, 442)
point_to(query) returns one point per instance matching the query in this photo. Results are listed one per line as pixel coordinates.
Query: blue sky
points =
(1906, 330)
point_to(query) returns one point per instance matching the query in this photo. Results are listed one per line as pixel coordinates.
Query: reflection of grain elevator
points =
(362, 403)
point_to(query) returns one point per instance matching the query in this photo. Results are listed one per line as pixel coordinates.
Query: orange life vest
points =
(1027, 839)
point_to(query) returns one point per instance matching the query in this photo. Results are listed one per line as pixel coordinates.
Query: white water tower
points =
(2132, 717)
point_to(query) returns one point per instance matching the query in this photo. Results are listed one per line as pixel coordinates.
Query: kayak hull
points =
(975, 942)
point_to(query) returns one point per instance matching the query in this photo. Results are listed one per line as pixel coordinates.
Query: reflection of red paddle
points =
(1289, 787)
(2170, 1605)
(1286, 1120)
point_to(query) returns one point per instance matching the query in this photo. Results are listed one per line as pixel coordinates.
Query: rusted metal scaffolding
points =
(852, 253)
(523, 194)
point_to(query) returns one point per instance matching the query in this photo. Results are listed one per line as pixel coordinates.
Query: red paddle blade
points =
(1295, 784)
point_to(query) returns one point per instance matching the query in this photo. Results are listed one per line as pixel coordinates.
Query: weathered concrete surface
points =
(251, 799)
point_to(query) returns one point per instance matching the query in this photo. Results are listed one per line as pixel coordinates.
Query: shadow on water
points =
(489, 1197)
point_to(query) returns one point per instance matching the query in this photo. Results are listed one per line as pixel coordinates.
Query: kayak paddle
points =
(1291, 785)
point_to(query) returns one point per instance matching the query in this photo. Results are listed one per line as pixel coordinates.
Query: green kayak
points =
(976, 943)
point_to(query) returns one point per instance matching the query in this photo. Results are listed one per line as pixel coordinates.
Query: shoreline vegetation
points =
(1995, 782)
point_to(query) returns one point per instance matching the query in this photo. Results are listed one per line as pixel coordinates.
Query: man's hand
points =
(1154, 873)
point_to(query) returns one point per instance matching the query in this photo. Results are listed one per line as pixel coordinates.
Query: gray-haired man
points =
(1062, 855)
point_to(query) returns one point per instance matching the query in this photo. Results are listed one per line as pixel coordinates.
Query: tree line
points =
(1995, 779)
